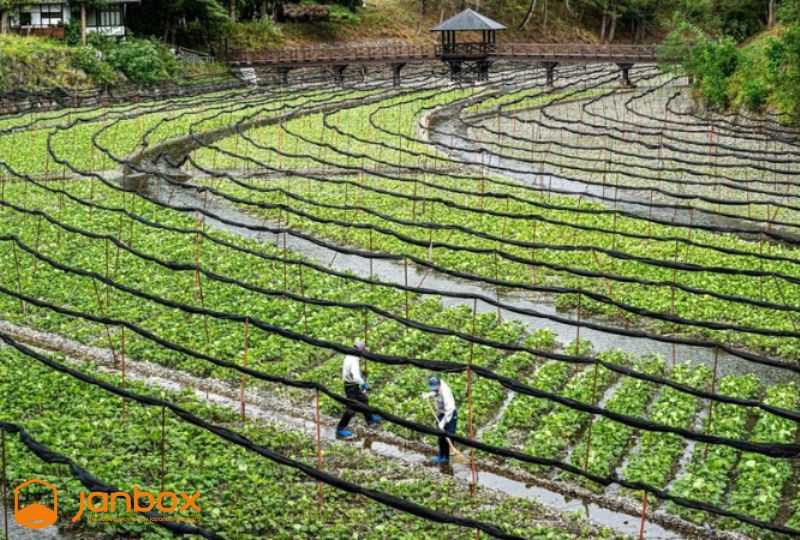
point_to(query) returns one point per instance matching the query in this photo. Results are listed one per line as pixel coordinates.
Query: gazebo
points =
(468, 57)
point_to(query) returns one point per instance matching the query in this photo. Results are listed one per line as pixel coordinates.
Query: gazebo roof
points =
(468, 20)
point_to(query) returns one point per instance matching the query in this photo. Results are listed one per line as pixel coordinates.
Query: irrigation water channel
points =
(220, 215)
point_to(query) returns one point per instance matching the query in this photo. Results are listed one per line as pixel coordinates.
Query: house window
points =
(51, 14)
(104, 17)
(25, 18)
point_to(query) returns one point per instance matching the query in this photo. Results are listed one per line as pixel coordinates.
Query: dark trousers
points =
(444, 447)
(354, 392)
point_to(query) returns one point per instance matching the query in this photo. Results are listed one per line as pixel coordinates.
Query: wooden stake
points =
(199, 284)
(497, 287)
(366, 340)
(108, 274)
(319, 444)
(711, 405)
(470, 432)
(122, 369)
(405, 263)
(591, 422)
(3, 483)
(674, 311)
(285, 272)
(370, 251)
(163, 444)
(244, 364)
(104, 311)
(22, 306)
(303, 295)
(533, 256)
(644, 515)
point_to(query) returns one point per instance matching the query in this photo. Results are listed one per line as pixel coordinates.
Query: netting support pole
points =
(578, 326)
(199, 284)
(370, 251)
(22, 307)
(285, 271)
(711, 405)
(497, 287)
(405, 265)
(122, 368)
(591, 421)
(4, 482)
(673, 292)
(108, 273)
(303, 295)
(244, 364)
(319, 442)
(533, 256)
(644, 515)
(163, 444)
(366, 339)
(470, 427)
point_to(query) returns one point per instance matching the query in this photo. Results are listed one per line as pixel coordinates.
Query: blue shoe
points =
(344, 434)
(440, 460)
(374, 420)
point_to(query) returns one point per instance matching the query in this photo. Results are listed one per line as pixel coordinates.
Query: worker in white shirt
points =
(354, 388)
(446, 415)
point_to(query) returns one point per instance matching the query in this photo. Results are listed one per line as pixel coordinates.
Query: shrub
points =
(72, 33)
(29, 63)
(143, 61)
(754, 94)
(91, 61)
(341, 14)
(783, 58)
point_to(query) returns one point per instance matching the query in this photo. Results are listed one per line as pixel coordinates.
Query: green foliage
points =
(341, 14)
(760, 75)
(707, 475)
(142, 61)
(254, 35)
(243, 495)
(711, 64)
(754, 91)
(736, 18)
(29, 63)
(783, 56)
(72, 32)
(789, 12)
(91, 61)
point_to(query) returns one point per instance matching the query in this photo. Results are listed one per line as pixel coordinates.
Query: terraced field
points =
(607, 280)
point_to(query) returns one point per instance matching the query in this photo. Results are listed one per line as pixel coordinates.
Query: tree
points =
(528, 15)
(163, 18)
(783, 57)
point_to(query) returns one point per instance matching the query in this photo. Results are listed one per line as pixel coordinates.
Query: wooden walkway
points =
(405, 54)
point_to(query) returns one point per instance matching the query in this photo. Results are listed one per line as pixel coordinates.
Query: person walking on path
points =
(355, 388)
(446, 415)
